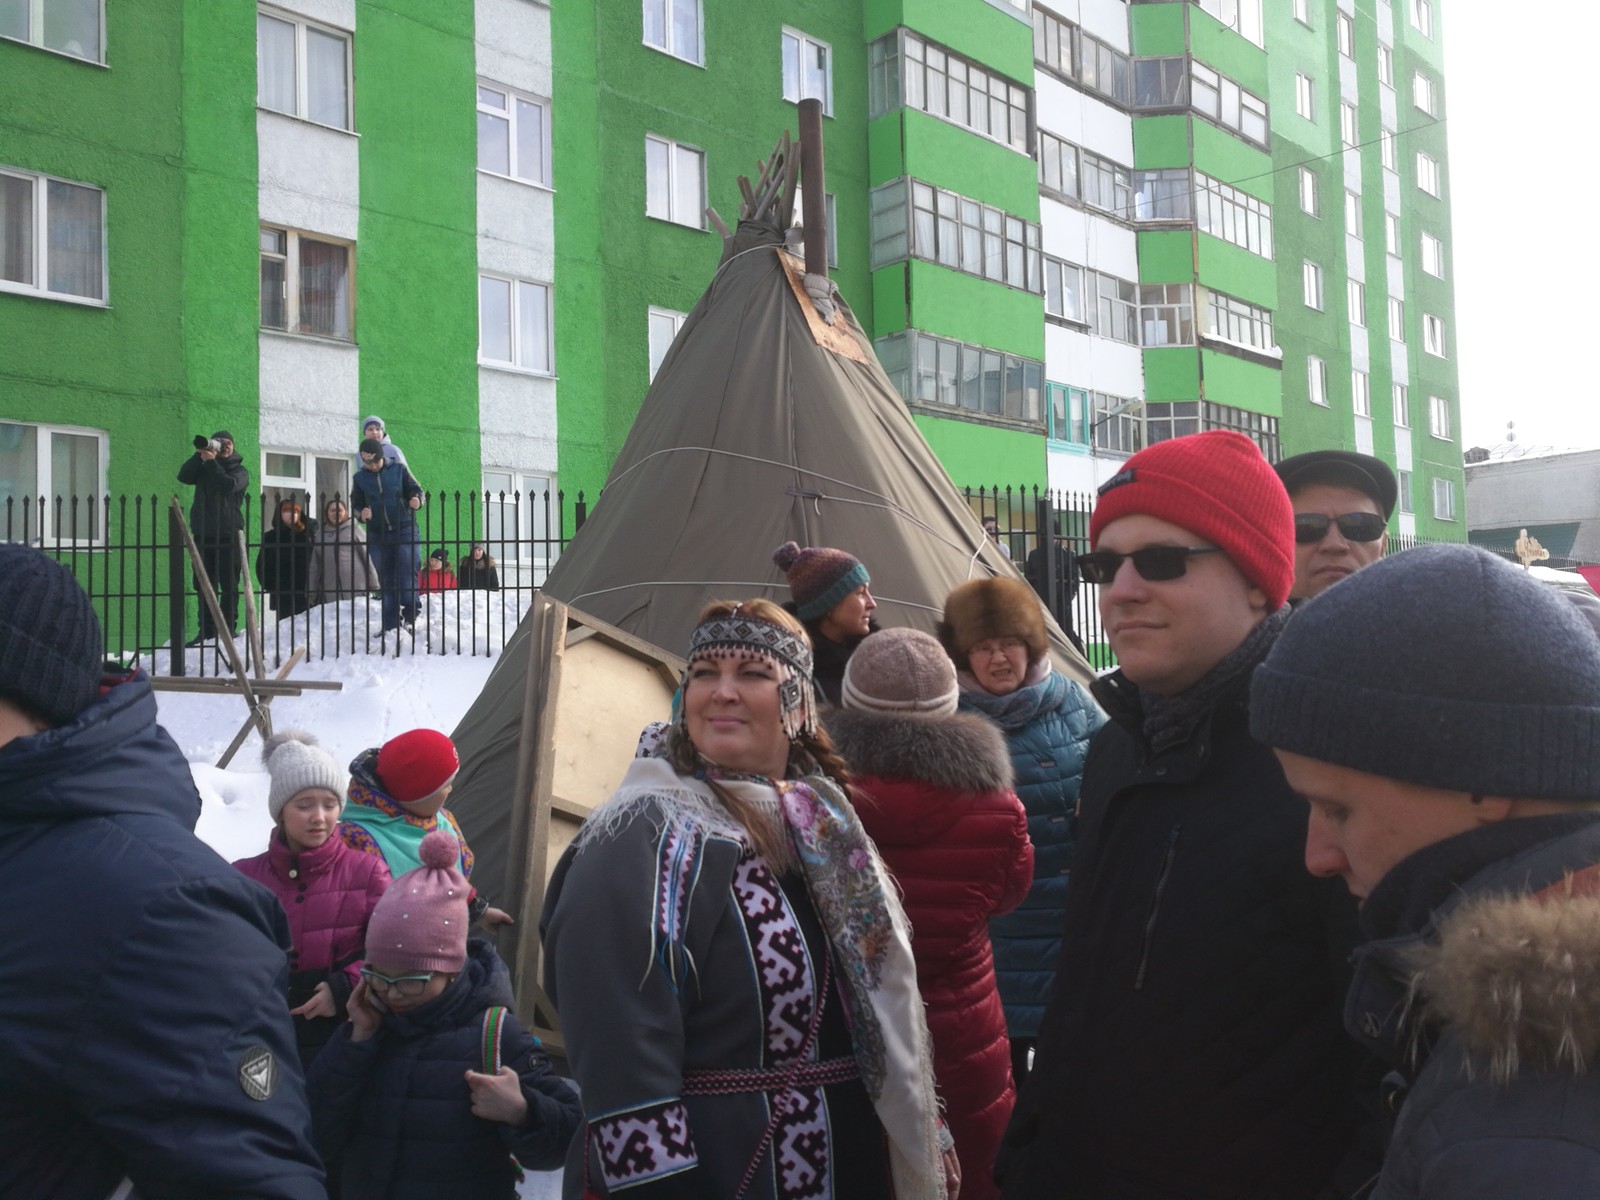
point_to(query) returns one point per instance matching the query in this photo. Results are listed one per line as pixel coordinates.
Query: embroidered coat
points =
(700, 973)
(936, 798)
(329, 894)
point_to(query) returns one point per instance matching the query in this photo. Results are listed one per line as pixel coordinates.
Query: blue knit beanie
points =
(51, 654)
(1443, 666)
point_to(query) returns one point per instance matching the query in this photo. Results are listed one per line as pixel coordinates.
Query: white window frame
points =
(1432, 255)
(305, 481)
(1444, 499)
(35, 32)
(669, 27)
(1428, 178)
(1352, 214)
(1388, 150)
(1305, 96)
(43, 531)
(1439, 424)
(1385, 65)
(1302, 11)
(1423, 93)
(830, 214)
(1360, 393)
(1400, 402)
(804, 43)
(1349, 127)
(1346, 27)
(1311, 285)
(523, 358)
(40, 234)
(1397, 319)
(518, 553)
(657, 321)
(695, 220)
(1391, 233)
(512, 115)
(1403, 482)
(302, 85)
(291, 283)
(1310, 202)
(1356, 298)
(1434, 338)
(1317, 380)
(1422, 17)
(1063, 291)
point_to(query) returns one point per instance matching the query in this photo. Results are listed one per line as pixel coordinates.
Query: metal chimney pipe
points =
(814, 188)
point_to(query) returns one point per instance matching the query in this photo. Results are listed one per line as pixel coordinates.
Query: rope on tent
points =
(722, 583)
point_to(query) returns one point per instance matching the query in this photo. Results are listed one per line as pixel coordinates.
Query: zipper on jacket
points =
(1168, 853)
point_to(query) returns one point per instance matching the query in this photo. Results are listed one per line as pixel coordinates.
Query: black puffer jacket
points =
(1193, 1048)
(395, 1114)
(219, 486)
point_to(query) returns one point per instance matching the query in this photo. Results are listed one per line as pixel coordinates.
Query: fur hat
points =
(992, 608)
(819, 577)
(414, 765)
(295, 762)
(420, 923)
(901, 670)
(51, 653)
(1442, 666)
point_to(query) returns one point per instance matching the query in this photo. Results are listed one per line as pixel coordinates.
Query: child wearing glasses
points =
(401, 1106)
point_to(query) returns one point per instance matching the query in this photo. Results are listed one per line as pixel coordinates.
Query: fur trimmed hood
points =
(1518, 977)
(992, 608)
(961, 752)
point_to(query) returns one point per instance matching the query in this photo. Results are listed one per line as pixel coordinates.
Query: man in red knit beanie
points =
(1193, 1044)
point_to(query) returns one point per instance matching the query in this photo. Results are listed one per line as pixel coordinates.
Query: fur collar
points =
(962, 752)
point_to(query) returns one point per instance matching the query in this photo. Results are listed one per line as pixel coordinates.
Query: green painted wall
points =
(948, 156)
(1166, 256)
(1240, 383)
(979, 455)
(1171, 373)
(975, 310)
(1157, 29)
(976, 30)
(1234, 270)
(1161, 141)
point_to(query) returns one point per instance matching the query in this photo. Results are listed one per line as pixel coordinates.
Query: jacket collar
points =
(312, 864)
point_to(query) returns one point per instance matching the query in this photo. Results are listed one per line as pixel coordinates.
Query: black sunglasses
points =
(1353, 526)
(1155, 563)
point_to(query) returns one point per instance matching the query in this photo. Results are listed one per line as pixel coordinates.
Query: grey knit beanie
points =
(51, 653)
(296, 762)
(900, 670)
(1443, 666)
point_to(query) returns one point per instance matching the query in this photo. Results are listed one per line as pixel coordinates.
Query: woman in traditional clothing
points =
(731, 964)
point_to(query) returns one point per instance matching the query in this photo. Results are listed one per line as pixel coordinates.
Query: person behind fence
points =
(1342, 504)
(373, 428)
(1192, 1046)
(434, 1088)
(1066, 581)
(143, 1033)
(397, 797)
(937, 799)
(829, 592)
(216, 519)
(385, 498)
(283, 564)
(994, 631)
(327, 889)
(477, 571)
(730, 960)
(340, 565)
(1438, 713)
(436, 575)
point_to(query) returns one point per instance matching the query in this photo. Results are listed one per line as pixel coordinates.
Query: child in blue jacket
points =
(402, 1104)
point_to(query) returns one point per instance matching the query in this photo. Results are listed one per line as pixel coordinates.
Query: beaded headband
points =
(738, 634)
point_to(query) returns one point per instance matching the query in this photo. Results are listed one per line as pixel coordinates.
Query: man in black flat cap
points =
(216, 517)
(1342, 504)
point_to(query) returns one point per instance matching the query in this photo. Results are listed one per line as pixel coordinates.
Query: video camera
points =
(202, 442)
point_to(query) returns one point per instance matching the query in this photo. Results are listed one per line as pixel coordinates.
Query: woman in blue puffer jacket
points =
(994, 631)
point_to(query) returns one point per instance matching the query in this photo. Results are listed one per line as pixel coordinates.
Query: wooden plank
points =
(836, 337)
(261, 687)
(252, 627)
(249, 723)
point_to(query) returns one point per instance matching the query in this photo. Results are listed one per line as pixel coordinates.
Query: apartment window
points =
(1433, 335)
(1404, 481)
(955, 232)
(1232, 215)
(1388, 150)
(1400, 401)
(1311, 284)
(302, 70)
(1422, 93)
(830, 216)
(1439, 417)
(1063, 290)
(1058, 165)
(1166, 314)
(1385, 65)
(52, 237)
(807, 69)
(1391, 233)
(1317, 380)
(1077, 174)
(1360, 394)
(1242, 16)
(1161, 82)
(664, 326)
(305, 284)
(310, 478)
(1115, 310)
(1346, 27)
(1422, 16)
(1236, 321)
(1069, 52)
(1356, 295)
(1428, 174)
(1309, 202)
(521, 517)
(63, 465)
(1162, 195)
(1397, 319)
(1225, 102)
(513, 134)
(1170, 419)
(74, 27)
(1352, 213)
(1348, 132)
(1432, 255)
(904, 69)
(1444, 500)
(1067, 413)
(1115, 423)
(1053, 42)
(673, 27)
(1305, 96)
(674, 182)
(1258, 427)
(514, 323)
(934, 370)
(1302, 11)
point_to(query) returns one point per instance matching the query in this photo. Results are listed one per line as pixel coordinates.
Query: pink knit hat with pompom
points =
(420, 923)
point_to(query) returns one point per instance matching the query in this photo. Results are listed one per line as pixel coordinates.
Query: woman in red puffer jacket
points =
(935, 795)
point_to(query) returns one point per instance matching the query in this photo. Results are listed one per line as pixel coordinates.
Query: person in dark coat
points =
(1439, 711)
(143, 1034)
(215, 519)
(829, 591)
(1193, 1047)
(385, 498)
(405, 1098)
(994, 632)
(1037, 574)
(283, 564)
(477, 571)
(935, 788)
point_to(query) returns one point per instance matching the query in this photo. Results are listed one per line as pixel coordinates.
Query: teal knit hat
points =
(819, 577)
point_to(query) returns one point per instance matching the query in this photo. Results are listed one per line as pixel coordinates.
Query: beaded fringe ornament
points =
(737, 635)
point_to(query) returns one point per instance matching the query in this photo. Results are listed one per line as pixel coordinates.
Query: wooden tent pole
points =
(814, 198)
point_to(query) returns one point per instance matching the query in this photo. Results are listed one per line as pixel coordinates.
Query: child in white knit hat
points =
(327, 889)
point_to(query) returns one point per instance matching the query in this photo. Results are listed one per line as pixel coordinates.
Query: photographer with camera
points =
(216, 517)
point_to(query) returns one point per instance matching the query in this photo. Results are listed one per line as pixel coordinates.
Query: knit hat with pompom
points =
(296, 762)
(420, 924)
(819, 577)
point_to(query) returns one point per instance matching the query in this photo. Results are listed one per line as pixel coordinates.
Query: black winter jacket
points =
(1192, 1048)
(283, 564)
(395, 1114)
(141, 980)
(219, 487)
